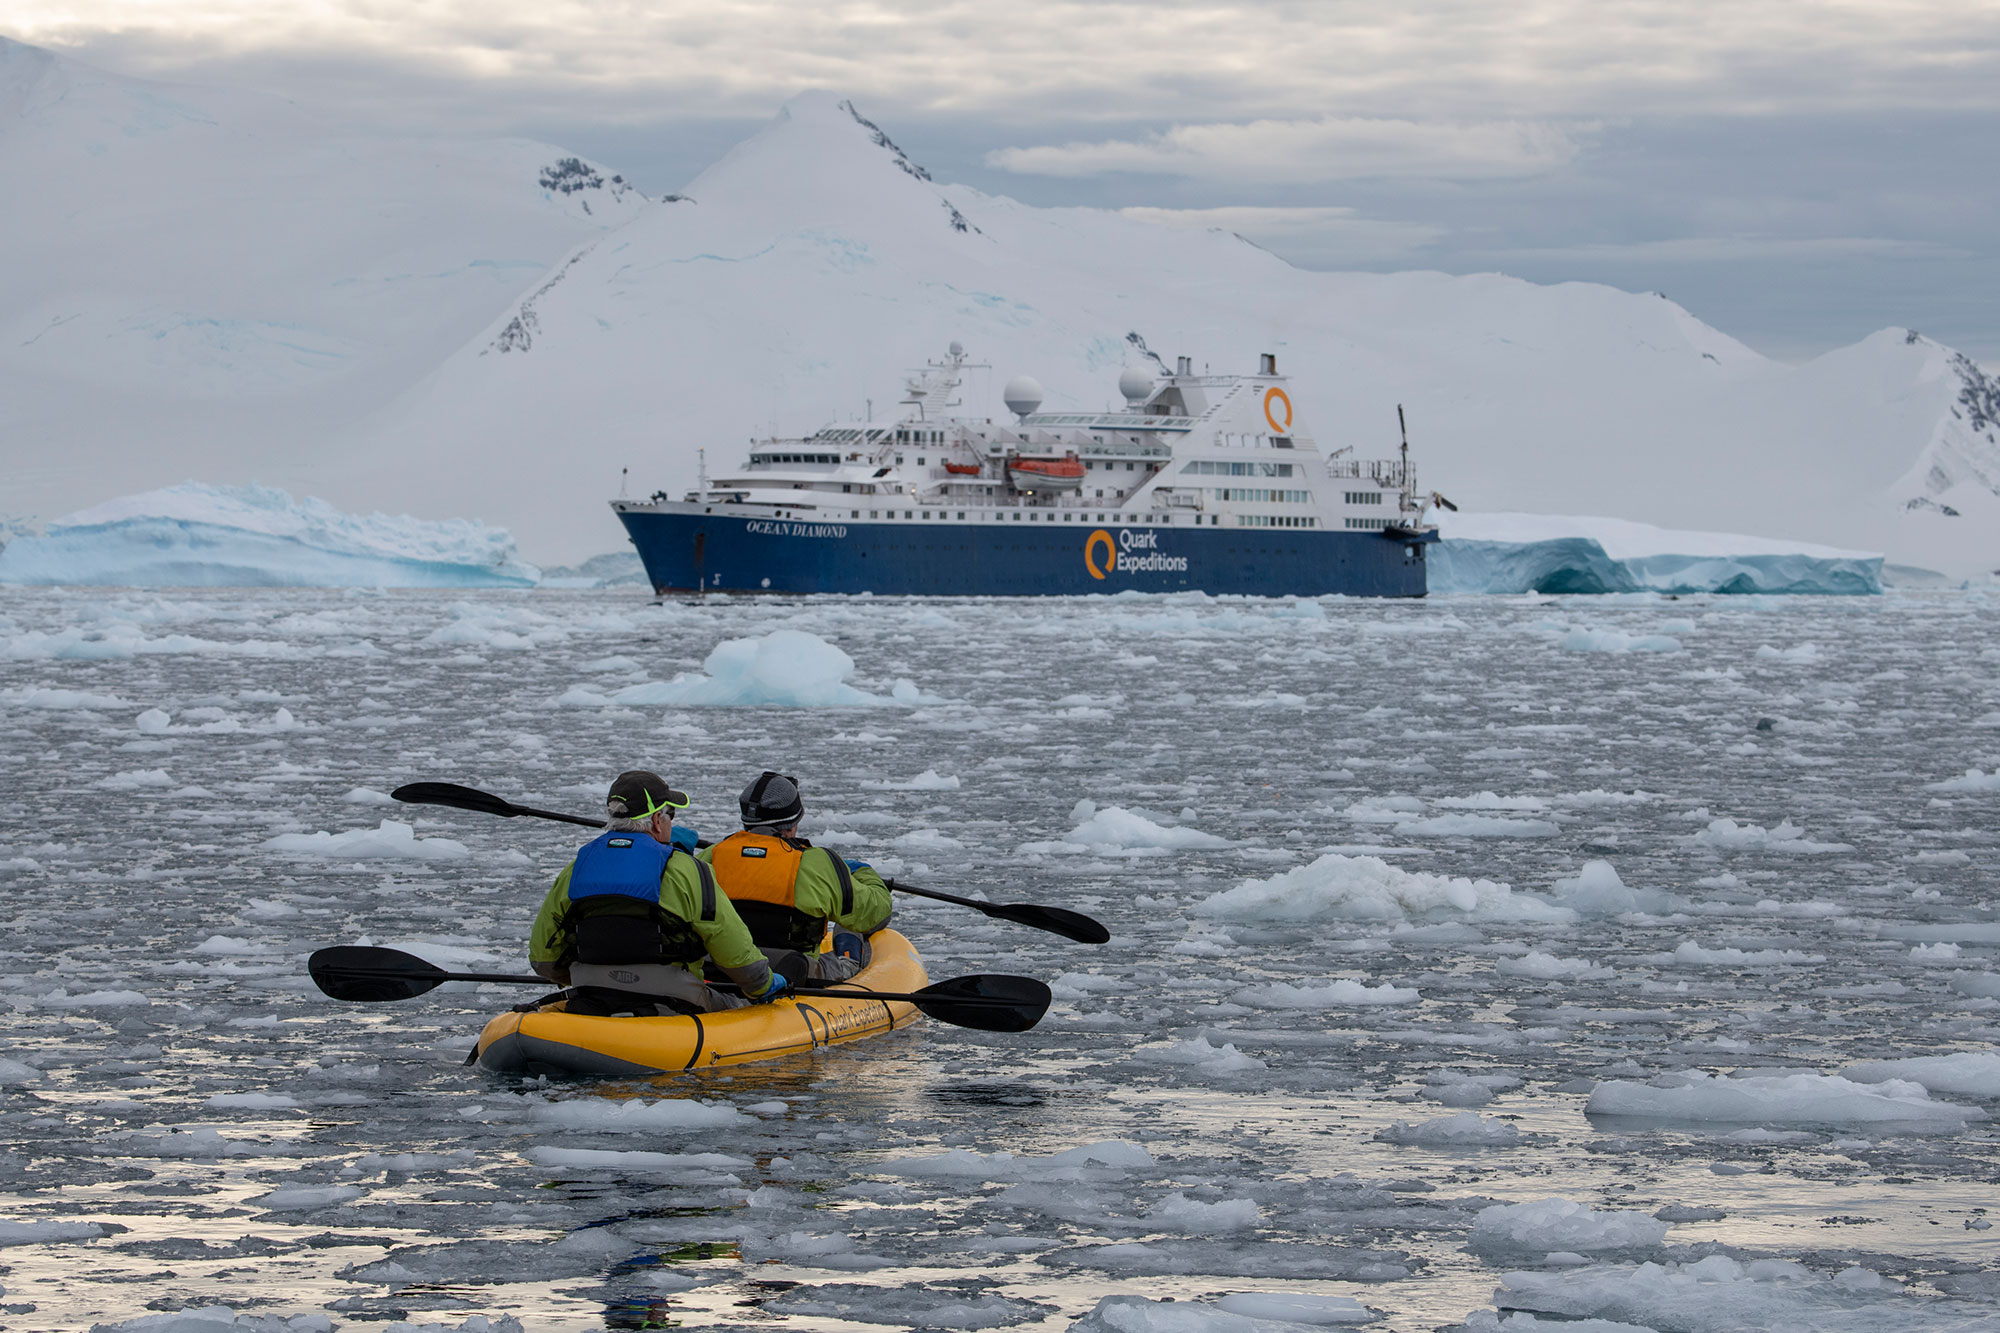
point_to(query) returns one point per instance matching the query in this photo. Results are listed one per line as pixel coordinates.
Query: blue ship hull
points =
(708, 549)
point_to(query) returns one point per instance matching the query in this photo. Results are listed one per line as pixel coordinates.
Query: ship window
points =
(857, 513)
(909, 513)
(874, 513)
(1128, 467)
(961, 518)
(1017, 516)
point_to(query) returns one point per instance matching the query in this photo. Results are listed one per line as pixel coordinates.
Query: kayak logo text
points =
(1103, 554)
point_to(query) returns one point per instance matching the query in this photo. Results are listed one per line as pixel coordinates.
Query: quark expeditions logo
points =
(1277, 403)
(1128, 553)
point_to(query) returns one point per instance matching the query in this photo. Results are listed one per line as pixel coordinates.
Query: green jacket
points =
(816, 892)
(682, 894)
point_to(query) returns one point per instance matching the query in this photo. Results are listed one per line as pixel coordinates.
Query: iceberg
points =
(199, 536)
(1563, 553)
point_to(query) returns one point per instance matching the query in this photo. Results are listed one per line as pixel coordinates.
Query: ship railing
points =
(1382, 471)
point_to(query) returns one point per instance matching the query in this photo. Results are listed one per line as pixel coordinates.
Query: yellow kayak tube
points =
(548, 1040)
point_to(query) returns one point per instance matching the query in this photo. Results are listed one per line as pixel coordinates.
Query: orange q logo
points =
(1274, 399)
(1090, 544)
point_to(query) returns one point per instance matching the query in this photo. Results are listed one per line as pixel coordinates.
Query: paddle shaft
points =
(1055, 920)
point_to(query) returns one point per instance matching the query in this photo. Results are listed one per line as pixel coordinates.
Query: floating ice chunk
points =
(1975, 780)
(1455, 1088)
(1804, 654)
(252, 1101)
(1967, 1073)
(1688, 952)
(36, 696)
(1085, 1163)
(368, 796)
(1296, 1307)
(1116, 829)
(1487, 800)
(1944, 951)
(1563, 1224)
(1548, 967)
(205, 1141)
(1367, 888)
(907, 1306)
(700, 1168)
(1596, 890)
(1339, 994)
(1475, 826)
(194, 535)
(928, 780)
(153, 722)
(1280, 1259)
(302, 1198)
(45, 1233)
(143, 779)
(392, 840)
(596, 1116)
(1384, 809)
(1585, 640)
(1778, 1099)
(96, 999)
(1177, 1212)
(1200, 1054)
(1728, 836)
(786, 668)
(13, 1073)
(1719, 1292)
(1137, 1314)
(1467, 1129)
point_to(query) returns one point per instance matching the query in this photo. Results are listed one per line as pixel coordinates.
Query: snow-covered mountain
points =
(208, 284)
(236, 292)
(802, 273)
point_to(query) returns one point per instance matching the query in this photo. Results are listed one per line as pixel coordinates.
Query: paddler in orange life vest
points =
(787, 890)
(630, 922)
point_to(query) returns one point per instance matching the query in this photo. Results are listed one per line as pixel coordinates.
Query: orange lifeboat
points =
(1045, 474)
(962, 469)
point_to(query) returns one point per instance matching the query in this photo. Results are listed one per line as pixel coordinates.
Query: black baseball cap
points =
(639, 794)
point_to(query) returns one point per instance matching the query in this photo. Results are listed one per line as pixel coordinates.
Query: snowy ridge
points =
(817, 269)
(1563, 553)
(193, 535)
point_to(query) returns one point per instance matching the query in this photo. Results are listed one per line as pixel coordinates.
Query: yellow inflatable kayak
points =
(551, 1041)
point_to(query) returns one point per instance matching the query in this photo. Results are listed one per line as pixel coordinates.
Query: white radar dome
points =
(1022, 395)
(956, 349)
(1135, 384)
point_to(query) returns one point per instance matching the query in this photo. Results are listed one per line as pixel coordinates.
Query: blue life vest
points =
(615, 914)
(627, 864)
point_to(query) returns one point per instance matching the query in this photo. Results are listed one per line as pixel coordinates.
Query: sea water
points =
(1474, 961)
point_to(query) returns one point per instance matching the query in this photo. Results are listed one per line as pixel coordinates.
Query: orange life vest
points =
(760, 874)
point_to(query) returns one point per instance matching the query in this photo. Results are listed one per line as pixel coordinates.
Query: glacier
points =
(1561, 553)
(194, 535)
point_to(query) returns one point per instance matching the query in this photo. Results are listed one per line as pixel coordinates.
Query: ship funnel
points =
(1267, 363)
(1183, 366)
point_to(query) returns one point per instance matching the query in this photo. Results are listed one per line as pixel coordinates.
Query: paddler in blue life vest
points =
(630, 922)
(787, 890)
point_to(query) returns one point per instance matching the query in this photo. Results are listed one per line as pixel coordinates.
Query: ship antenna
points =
(624, 474)
(701, 471)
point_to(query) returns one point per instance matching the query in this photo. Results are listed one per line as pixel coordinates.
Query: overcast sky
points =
(1798, 174)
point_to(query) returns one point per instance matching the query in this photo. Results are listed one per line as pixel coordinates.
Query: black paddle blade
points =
(1056, 920)
(450, 793)
(367, 976)
(992, 1003)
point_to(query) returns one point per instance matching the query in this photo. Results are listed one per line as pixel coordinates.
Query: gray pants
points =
(819, 966)
(646, 981)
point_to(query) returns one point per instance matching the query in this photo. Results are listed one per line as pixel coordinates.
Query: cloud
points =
(1329, 148)
(1735, 249)
(1317, 237)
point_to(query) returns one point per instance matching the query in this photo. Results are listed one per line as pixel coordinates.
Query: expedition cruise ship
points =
(1203, 483)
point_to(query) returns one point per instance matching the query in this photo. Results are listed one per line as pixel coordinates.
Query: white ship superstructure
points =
(1188, 450)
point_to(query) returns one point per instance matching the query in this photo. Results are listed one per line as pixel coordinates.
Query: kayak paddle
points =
(1056, 920)
(990, 1002)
